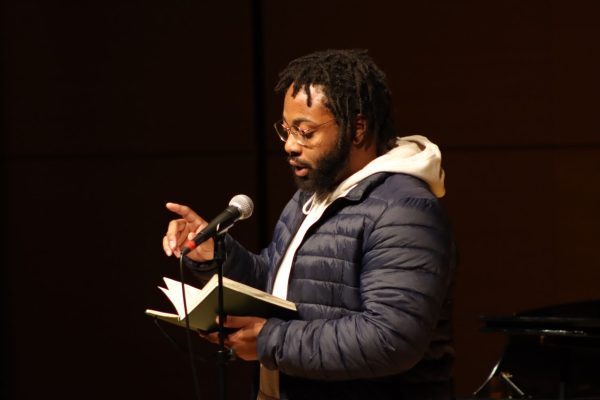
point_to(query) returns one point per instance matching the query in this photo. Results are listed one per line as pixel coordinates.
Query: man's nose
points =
(292, 146)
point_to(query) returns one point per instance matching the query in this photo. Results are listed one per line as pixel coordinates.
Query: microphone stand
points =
(223, 355)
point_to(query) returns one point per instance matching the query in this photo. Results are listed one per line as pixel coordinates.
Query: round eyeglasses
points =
(302, 136)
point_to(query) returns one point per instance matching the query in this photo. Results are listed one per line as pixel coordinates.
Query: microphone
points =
(240, 207)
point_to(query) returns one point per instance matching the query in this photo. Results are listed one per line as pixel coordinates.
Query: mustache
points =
(299, 162)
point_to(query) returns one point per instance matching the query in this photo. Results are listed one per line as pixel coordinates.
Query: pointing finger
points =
(187, 213)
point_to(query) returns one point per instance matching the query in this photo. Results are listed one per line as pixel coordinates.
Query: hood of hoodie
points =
(413, 155)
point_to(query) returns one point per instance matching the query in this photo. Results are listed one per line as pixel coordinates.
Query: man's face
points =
(322, 162)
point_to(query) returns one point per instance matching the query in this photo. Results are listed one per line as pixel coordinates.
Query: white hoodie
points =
(413, 155)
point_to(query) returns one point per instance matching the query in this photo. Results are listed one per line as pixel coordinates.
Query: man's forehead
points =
(317, 93)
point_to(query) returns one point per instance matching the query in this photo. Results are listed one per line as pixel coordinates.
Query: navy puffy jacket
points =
(372, 281)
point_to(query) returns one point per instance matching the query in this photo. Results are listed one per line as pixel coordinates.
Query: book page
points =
(238, 299)
(193, 296)
(259, 294)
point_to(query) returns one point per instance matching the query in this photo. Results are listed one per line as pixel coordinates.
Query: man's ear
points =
(361, 130)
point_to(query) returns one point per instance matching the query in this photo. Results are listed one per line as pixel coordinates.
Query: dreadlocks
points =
(352, 84)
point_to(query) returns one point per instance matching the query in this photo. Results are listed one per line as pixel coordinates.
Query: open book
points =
(238, 299)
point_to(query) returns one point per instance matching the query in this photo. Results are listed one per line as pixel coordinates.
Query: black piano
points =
(550, 353)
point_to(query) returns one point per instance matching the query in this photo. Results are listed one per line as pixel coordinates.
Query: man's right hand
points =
(183, 229)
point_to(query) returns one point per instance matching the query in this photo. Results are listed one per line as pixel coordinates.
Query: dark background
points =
(110, 109)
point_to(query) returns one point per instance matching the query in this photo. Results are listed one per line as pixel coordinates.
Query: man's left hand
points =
(242, 341)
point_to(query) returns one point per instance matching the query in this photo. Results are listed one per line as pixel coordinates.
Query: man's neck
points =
(359, 157)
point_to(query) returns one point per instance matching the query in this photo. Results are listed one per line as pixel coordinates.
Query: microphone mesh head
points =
(244, 204)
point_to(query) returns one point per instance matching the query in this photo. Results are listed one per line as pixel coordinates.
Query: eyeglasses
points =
(302, 136)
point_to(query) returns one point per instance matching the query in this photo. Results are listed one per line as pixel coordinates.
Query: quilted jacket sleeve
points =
(405, 274)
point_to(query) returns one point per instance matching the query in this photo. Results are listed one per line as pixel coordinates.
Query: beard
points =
(323, 178)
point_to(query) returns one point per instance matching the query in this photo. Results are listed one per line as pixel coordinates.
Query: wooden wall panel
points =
(525, 223)
(128, 77)
(84, 263)
(109, 111)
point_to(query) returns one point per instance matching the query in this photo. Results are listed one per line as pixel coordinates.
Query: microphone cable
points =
(188, 334)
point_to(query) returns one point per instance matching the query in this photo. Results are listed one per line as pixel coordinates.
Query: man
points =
(363, 248)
